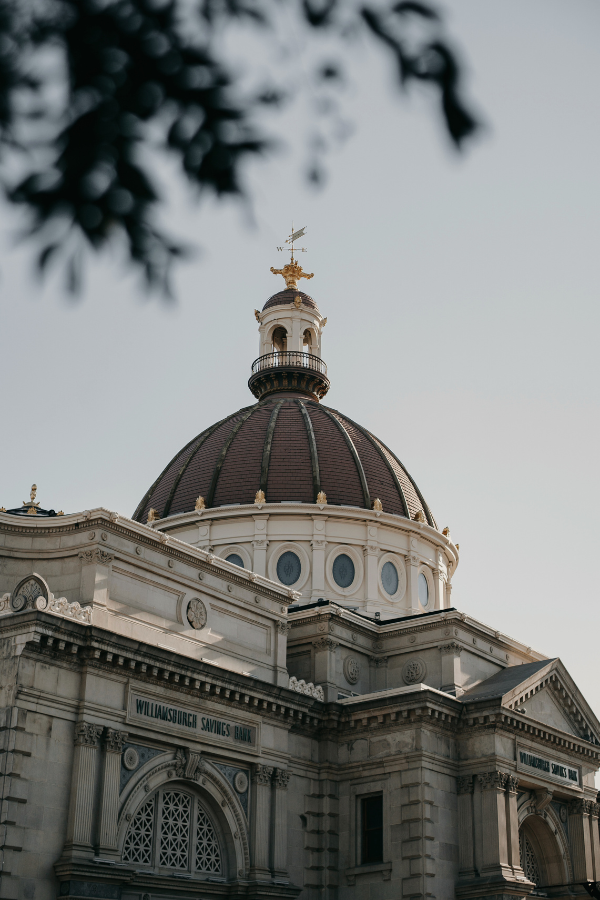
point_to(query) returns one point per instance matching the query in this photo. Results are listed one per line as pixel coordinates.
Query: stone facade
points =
(154, 744)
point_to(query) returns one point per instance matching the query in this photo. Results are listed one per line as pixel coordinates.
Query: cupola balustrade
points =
(285, 358)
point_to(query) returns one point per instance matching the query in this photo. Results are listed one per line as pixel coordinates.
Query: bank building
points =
(258, 686)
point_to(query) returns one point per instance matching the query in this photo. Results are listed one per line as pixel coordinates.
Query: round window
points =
(343, 570)
(389, 578)
(423, 590)
(288, 568)
(235, 559)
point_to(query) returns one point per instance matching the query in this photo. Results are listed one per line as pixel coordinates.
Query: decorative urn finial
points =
(292, 272)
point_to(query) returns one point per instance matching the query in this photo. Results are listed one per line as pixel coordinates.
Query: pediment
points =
(543, 691)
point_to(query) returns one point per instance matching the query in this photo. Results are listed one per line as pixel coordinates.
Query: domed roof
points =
(285, 297)
(292, 448)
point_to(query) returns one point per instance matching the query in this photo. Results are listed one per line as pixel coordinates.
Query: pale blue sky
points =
(462, 298)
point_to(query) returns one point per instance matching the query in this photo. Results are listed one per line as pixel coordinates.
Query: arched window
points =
(173, 830)
(307, 341)
(529, 862)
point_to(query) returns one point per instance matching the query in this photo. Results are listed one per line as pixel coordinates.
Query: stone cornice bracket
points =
(261, 774)
(453, 647)
(464, 784)
(87, 734)
(493, 781)
(95, 555)
(326, 643)
(113, 740)
(543, 798)
(188, 763)
(281, 779)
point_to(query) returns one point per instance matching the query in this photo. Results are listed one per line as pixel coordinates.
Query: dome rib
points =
(202, 438)
(430, 520)
(380, 452)
(314, 455)
(144, 501)
(355, 456)
(266, 457)
(221, 458)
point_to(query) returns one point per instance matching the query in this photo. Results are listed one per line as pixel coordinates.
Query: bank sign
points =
(201, 724)
(546, 767)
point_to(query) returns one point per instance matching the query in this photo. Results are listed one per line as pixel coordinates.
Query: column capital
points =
(318, 544)
(281, 778)
(412, 559)
(113, 740)
(453, 647)
(580, 807)
(261, 774)
(464, 784)
(512, 784)
(260, 544)
(370, 550)
(493, 781)
(326, 643)
(283, 627)
(87, 734)
(95, 556)
(595, 810)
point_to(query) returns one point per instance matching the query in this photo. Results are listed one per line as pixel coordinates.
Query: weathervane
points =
(292, 272)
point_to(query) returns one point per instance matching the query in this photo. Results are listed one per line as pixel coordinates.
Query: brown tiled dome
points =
(284, 298)
(291, 448)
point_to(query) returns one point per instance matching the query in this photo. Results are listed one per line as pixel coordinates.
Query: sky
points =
(461, 292)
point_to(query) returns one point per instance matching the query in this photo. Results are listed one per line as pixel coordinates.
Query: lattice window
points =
(208, 853)
(175, 829)
(138, 842)
(529, 863)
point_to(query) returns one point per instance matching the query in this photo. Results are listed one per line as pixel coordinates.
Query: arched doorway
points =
(542, 856)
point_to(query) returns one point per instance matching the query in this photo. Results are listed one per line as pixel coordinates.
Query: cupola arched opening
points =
(279, 339)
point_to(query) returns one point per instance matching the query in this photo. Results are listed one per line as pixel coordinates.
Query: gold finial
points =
(297, 301)
(420, 516)
(377, 505)
(33, 492)
(257, 315)
(200, 504)
(153, 515)
(321, 497)
(60, 513)
(457, 546)
(446, 532)
(32, 505)
(2, 509)
(260, 497)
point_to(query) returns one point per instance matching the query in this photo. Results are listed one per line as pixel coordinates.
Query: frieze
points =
(547, 768)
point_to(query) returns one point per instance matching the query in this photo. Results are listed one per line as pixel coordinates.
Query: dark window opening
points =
(372, 829)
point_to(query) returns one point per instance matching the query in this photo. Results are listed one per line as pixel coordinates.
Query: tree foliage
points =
(129, 73)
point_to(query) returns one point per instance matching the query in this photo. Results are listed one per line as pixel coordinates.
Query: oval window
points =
(236, 559)
(423, 590)
(288, 568)
(389, 578)
(343, 570)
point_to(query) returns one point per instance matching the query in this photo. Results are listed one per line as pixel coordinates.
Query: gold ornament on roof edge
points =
(200, 504)
(321, 497)
(260, 497)
(446, 532)
(377, 505)
(153, 515)
(257, 315)
(32, 506)
(292, 272)
(297, 301)
(420, 516)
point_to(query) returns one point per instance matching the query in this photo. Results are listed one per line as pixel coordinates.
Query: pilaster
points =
(378, 666)
(260, 822)
(324, 667)
(371, 557)
(95, 575)
(318, 545)
(451, 671)
(279, 839)
(83, 782)
(109, 811)
(260, 544)
(493, 823)
(512, 826)
(464, 787)
(595, 840)
(580, 840)
(412, 583)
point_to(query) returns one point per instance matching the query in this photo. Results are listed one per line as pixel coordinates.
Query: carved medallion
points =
(414, 671)
(29, 595)
(351, 669)
(196, 614)
(131, 759)
(240, 782)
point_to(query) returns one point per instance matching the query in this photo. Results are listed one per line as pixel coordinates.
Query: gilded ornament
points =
(377, 505)
(153, 515)
(200, 504)
(257, 315)
(292, 272)
(322, 497)
(420, 517)
(446, 532)
(259, 497)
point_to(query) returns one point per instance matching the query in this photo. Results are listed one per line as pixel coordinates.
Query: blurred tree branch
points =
(131, 68)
